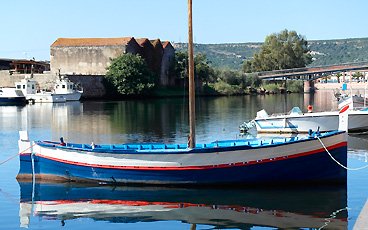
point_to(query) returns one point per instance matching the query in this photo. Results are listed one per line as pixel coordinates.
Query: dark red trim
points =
(237, 164)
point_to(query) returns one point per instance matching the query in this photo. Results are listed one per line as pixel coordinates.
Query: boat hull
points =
(291, 162)
(75, 96)
(12, 100)
(45, 98)
(358, 121)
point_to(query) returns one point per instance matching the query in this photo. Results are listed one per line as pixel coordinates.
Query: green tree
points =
(130, 75)
(230, 76)
(181, 64)
(202, 69)
(284, 50)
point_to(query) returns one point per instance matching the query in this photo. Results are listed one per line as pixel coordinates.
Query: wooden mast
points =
(191, 141)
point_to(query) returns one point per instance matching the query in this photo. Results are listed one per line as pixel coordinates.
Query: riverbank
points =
(94, 87)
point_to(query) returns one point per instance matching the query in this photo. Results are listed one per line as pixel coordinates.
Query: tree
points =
(181, 64)
(284, 50)
(130, 75)
(202, 69)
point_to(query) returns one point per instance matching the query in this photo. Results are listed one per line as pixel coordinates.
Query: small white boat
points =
(11, 96)
(298, 122)
(64, 90)
(67, 89)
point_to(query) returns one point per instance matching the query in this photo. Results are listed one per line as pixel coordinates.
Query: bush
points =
(227, 89)
(295, 86)
(129, 75)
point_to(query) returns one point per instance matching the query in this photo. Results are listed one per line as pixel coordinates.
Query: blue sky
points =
(30, 27)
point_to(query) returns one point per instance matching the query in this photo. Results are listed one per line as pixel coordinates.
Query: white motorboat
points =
(295, 121)
(64, 90)
(68, 89)
(11, 96)
(298, 122)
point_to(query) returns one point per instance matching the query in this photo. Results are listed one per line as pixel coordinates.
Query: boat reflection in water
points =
(222, 208)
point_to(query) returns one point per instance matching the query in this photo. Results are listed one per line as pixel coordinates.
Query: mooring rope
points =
(332, 216)
(12, 157)
(347, 168)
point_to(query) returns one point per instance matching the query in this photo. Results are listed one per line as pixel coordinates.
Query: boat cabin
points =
(28, 86)
(64, 86)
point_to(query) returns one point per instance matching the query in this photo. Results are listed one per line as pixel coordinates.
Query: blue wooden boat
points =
(236, 162)
(240, 208)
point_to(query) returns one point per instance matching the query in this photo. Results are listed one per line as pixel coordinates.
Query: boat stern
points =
(25, 156)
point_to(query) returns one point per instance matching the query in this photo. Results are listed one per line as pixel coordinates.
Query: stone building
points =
(88, 56)
(91, 56)
(168, 57)
(158, 51)
(146, 51)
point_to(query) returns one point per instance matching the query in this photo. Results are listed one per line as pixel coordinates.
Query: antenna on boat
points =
(191, 141)
(32, 71)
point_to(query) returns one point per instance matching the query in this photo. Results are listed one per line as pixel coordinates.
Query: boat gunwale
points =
(200, 148)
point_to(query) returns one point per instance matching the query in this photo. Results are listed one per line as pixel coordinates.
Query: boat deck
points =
(161, 147)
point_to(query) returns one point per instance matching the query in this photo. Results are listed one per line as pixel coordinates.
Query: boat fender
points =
(310, 108)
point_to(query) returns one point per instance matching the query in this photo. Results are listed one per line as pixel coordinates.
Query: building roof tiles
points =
(91, 41)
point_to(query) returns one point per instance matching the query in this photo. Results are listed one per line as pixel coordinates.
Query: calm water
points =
(73, 206)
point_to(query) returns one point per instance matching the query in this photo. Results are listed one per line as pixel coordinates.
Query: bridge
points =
(309, 74)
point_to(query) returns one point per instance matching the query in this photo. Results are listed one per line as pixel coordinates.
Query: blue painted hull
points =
(312, 168)
(12, 101)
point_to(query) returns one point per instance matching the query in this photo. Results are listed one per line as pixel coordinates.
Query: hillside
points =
(324, 52)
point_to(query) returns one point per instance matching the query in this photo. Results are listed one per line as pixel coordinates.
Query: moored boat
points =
(11, 96)
(63, 86)
(298, 122)
(237, 162)
(64, 90)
